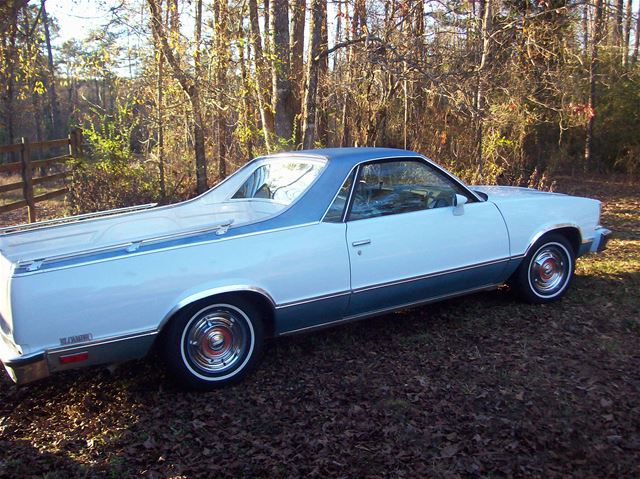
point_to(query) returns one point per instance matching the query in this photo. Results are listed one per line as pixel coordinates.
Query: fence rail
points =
(25, 167)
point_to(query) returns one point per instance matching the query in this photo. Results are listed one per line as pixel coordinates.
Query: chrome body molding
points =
(132, 249)
(549, 229)
(313, 300)
(357, 317)
(184, 302)
(433, 275)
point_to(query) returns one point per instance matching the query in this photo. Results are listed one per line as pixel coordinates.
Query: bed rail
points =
(32, 265)
(72, 219)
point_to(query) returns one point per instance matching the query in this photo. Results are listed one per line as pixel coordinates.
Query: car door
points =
(409, 240)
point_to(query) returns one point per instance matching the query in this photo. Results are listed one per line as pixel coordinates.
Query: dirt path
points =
(480, 386)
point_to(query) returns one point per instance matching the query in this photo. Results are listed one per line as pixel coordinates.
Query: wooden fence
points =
(26, 166)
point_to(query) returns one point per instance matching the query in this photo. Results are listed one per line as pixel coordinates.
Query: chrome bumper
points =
(600, 240)
(26, 370)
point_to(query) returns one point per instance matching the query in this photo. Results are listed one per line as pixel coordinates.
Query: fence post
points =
(75, 143)
(27, 178)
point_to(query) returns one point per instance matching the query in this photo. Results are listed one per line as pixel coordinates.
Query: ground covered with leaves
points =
(479, 386)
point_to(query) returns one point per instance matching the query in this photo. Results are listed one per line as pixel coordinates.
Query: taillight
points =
(74, 358)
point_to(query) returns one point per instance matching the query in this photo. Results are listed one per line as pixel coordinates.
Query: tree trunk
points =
(310, 100)
(296, 46)
(56, 126)
(220, 71)
(262, 92)
(585, 30)
(487, 27)
(188, 84)
(322, 114)
(160, 121)
(627, 34)
(593, 72)
(245, 103)
(282, 98)
(634, 57)
(618, 25)
(8, 86)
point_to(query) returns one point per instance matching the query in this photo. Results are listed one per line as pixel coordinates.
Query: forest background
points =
(174, 95)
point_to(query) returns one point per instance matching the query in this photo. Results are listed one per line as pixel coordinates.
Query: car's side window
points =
(336, 210)
(393, 187)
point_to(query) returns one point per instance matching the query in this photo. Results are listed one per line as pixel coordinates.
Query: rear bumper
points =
(26, 370)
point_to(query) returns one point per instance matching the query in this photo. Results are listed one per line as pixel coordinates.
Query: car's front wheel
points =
(215, 343)
(547, 270)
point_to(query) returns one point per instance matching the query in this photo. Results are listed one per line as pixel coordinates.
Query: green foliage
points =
(108, 135)
(113, 177)
(110, 184)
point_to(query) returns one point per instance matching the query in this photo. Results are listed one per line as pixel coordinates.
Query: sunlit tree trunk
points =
(296, 46)
(261, 80)
(310, 98)
(486, 30)
(282, 98)
(627, 34)
(56, 124)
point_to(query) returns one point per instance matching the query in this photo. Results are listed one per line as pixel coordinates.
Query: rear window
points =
(280, 180)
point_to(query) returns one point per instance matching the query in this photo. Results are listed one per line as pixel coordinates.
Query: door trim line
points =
(357, 317)
(430, 275)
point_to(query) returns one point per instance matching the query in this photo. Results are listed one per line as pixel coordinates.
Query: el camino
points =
(289, 243)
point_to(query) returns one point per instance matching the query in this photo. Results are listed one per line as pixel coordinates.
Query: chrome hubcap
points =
(548, 270)
(216, 340)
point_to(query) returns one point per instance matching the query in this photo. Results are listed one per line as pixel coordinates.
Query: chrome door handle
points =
(361, 242)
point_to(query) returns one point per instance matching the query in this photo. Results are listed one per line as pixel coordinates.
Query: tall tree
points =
(189, 84)
(56, 123)
(313, 66)
(486, 15)
(593, 73)
(636, 43)
(627, 34)
(261, 81)
(282, 98)
(296, 46)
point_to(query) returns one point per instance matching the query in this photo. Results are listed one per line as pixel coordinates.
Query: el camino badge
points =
(79, 338)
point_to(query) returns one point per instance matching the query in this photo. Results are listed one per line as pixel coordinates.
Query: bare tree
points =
(189, 84)
(593, 72)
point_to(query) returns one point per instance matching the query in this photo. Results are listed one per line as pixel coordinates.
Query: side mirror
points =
(458, 204)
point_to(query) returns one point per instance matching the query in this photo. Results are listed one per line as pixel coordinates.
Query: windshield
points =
(280, 180)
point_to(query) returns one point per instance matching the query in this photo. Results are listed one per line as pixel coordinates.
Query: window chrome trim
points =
(353, 168)
(411, 156)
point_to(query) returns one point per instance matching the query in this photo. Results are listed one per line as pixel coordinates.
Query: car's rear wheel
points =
(546, 272)
(215, 343)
